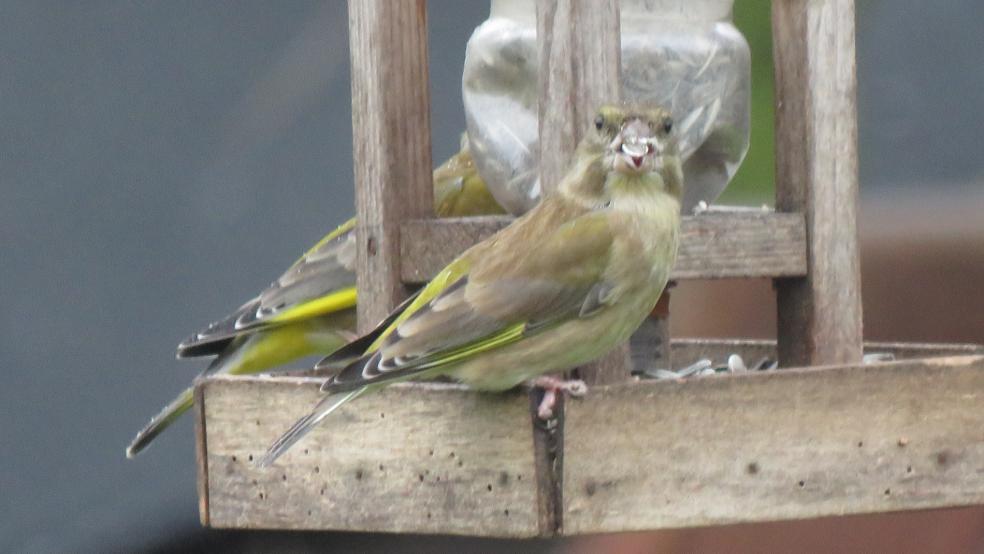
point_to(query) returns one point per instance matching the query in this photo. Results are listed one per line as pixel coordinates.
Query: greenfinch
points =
(559, 287)
(309, 310)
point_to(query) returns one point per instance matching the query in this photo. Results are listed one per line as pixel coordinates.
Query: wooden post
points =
(391, 141)
(819, 317)
(580, 69)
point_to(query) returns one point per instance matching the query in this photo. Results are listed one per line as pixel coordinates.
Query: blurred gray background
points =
(160, 162)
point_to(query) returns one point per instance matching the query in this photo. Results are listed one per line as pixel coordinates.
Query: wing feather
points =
(500, 294)
(321, 282)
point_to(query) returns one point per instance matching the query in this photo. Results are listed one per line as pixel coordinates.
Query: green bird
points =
(309, 310)
(559, 287)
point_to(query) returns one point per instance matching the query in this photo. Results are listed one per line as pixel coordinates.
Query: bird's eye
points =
(667, 125)
(599, 122)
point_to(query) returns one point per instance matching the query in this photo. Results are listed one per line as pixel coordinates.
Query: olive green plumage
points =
(559, 287)
(310, 309)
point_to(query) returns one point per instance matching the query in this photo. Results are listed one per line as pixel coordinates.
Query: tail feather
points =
(161, 421)
(324, 408)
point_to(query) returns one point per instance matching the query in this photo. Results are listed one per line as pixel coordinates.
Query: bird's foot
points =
(551, 386)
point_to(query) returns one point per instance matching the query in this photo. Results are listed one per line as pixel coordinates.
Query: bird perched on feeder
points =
(557, 288)
(310, 309)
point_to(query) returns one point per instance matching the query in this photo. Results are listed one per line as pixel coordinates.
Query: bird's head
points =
(637, 139)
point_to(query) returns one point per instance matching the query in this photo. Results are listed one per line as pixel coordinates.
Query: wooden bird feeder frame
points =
(825, 436)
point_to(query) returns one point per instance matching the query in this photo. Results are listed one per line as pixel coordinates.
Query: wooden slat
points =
(648, 455)
(580, 70)
(712, 245)
(819, 317)
(413, 458)
(201, 456)
(775, 446)
(391, 140)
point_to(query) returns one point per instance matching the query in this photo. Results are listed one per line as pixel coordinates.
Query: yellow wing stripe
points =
(334, 302)
(454, 271)
(502, 338)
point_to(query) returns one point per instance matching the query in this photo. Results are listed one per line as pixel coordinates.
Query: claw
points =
(550, 386)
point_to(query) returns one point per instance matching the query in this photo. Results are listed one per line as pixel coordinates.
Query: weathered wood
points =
(391, 141)
(580, 69)
(775, 446)
(712, 245)
(421, 458)
(819, 317)
(201, 456)
(548, 449)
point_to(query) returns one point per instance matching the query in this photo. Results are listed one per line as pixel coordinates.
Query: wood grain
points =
(580, 70)
(816, 174)
(712, 246)
(421, 458)
(775, 446)
(437, 458)
(391, 141)
(201, 456)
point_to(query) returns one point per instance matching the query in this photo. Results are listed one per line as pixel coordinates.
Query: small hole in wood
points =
(860, 444)
(752, 468)
(460, 463)
(421, 477)
(431, 453)
(305, 450)
(489, 487)
(358, 474)
(428, 515)
(382, 416)
(262, 496)
(257, 423)
(519, 477)
(255, 482)
(452, 454)
(888, 492)
(438, 478)
(371, 246)
(233, 458)
(317, 469)
(309, 513)
(284, 477)
(322, 492)
(503, 479)
(250, 457)
(802, 484)
(506, 512)
(908, 469)
(381, 467)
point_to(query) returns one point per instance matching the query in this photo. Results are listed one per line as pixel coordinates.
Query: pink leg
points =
(551, 385)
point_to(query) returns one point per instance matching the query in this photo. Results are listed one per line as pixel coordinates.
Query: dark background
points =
(160, 162)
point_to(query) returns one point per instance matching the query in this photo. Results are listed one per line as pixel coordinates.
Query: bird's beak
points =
(635, 148)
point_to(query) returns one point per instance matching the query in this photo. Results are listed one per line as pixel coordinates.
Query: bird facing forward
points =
(557, 288)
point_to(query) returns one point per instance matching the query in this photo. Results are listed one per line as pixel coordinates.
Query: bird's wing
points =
(541, 271)
(321, 282)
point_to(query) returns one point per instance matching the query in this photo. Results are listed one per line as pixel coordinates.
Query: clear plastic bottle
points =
(685, 55)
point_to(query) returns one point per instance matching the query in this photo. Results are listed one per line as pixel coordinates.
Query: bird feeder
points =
(823, 435)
